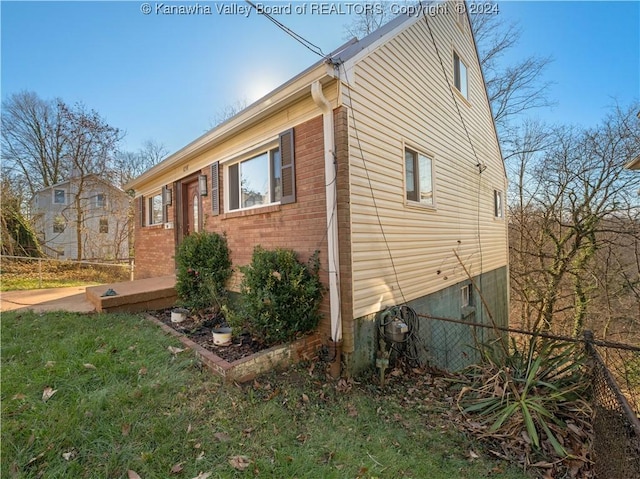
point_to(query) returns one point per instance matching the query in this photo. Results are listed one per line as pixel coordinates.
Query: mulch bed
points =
(198, 328)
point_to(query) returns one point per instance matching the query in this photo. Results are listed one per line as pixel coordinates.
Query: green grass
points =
(21, 275)
(16, 284)
(125, 402)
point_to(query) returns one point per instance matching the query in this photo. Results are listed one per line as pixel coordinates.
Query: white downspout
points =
(332, 209)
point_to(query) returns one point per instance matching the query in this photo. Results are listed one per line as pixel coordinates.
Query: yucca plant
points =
(534, 387)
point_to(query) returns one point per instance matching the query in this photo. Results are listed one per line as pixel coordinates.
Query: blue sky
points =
(164, 77)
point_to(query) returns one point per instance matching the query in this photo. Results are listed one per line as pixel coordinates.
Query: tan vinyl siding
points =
(397, 96)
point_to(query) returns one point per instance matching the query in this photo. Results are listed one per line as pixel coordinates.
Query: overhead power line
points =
(299, 38)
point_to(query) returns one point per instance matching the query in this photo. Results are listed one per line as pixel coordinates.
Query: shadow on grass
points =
(127, 399)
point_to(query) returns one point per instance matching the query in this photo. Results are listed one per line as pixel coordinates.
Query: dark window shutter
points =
(215, 196)
(287, 155)
(234, 187)
(141, 209)
(165, 207)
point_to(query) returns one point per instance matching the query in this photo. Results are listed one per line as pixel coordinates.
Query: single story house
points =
(384, 157)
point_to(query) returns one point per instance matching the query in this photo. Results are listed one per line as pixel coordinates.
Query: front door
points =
(192, 203)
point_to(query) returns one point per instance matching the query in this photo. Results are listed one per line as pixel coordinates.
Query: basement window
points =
(467, 296)
(467, 308)
(460, 79)
(418, 177)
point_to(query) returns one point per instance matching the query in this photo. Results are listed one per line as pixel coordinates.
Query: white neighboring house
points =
(104, 218)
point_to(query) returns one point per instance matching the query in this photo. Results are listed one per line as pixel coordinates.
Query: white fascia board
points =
(633, 164)
(289, 92)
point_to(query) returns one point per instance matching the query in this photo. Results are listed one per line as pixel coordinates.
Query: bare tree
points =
(513, 89)
(46, 142)
(228, 111)
(575, 201)
(17, 236)
(33, 140)
(127, 165)
(371, 18)
(91, 144)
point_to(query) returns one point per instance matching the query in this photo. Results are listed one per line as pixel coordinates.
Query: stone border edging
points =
(245, 369)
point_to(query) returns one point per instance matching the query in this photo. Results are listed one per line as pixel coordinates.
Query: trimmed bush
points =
(204, 267)
(280, 295)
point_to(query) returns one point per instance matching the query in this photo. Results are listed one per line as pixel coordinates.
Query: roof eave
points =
(633, 164)
(288, 92)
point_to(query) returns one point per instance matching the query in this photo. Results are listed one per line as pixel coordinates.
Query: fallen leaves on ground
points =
(47, 393)
(67, 456)
(222, 436)
(239, 462)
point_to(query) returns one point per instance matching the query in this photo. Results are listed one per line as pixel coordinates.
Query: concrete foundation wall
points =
(442, 344)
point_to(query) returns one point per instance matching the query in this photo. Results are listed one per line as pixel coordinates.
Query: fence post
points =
(39, 272)
(131, 266)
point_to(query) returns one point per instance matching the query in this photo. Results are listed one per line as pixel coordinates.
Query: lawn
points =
(108, 396)
(21, 275)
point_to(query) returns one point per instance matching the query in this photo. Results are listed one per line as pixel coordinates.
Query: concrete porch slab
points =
(134, 296)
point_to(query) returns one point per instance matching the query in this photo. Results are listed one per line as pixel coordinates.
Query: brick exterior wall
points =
(300, 226)
(344, 227)
(154, 247)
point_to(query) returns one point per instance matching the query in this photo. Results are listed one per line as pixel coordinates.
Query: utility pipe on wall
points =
(332, 209)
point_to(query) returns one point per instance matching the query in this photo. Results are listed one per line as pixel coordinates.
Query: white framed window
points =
(418, 177)
(460, 79)
(100, 200)
(154, 208)
(498, 204)
(59, 196)
(59, 224)
(467, 296)
(256, 181)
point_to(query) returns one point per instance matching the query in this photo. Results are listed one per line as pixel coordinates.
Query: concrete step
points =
(134, 296)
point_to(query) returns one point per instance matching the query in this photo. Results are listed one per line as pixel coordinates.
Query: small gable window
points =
(418, 177)
(460, 79)
(59, 197)
(101, 200)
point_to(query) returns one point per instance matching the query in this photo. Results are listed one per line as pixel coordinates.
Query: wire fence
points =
(616, 441)
(42, 272)
(452, 344)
